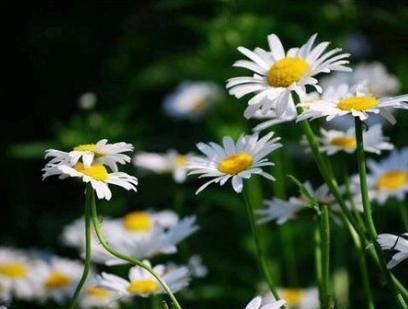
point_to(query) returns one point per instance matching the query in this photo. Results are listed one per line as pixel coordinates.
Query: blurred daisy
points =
(142, 283)
(101, 152)
(299, 298)
(259, 303)
(196, 267)
(379, 81)
(18, 275)
(233, 160)
(397, 243)
(87, 101)
(387, 178)
(96, 174)
(94, 296)
(59, 278)
(170, 162)
(277, 73)
(333, 141)
(4, 294)
(192, 100)
(356, 101)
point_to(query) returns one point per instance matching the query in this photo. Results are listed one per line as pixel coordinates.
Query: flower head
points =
(233, 160)
(277, 73)
(260, 303)
(94, 296)
(396, 243)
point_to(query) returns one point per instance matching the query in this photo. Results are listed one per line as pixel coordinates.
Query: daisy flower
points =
(333, 141)
(379, 81)
(196, 267)
(397, 243)
(101, 152)
(233, 160)
(170, 162)
(96, 174)
(18, 274)
(259, 303)
(142, 283)
(94, 296)
(59, 278)
(356, 101)
(387, 178)
(277, 73)
(192, 100)
(299, 298)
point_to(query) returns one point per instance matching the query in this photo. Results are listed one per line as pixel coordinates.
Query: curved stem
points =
(88, 201)
(97, 226)
(368, 212)
(259, 250)
(325, 242)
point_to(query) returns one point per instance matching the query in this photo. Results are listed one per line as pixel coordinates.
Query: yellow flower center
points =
(392, 180)
(96, 171)
(137, 221)
(13, 269)
(97, 292)
(235, 163)
(143, 286)
(198, 105)
(286, 71)
(57, 280)
(292, 296)
(85, 147)
(357, 103)
(181, 160)
(344, 142)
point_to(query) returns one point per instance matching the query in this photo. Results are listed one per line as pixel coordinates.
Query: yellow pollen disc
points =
(137, 221)
(198, 105)
(344, 142)
(357, 103)
(96, 171)
(57, 280)
(13, 269)
(286, 71)
(97, 292)
(292, 296)
(181, 160)
(85, 147)
(235, 163)
(143, 286)
(392, 180)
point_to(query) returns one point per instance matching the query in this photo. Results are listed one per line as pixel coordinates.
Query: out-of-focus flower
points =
(233, 160)
(87, 100)
(357, 101)
(379, 81)
(259, 303)
(58, 278)
(18, 275)
(196, 267)
(192, 100)
(170, 162)
(333, 141)
(398, 243)
(298, 298)
(277, 73)
(94, 296)
(144, 284)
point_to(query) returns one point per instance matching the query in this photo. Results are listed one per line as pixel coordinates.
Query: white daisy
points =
(94, 296)
(144, 284)
(59, 277)
(333, 141)
(192, 100)
(233, 160)
(101, 152)
(18, 275)
(277, 74)
(259, 303)
(356, 101)
(387, 178)
(298, 298)
(398, 243)
(96, 174)
(379, 81)
(170, 162)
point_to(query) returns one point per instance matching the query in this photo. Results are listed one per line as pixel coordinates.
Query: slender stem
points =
(260, 252)
(97, 226)
(404, 213)
(368, 213)
(87, 267)
(325, 242)
(318, 259)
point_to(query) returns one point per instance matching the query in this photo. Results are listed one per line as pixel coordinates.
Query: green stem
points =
(404, 213)
(368, 213)
(259, 250)
(318, 260)
(97, 226)
(87, 267)
(325, 242)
